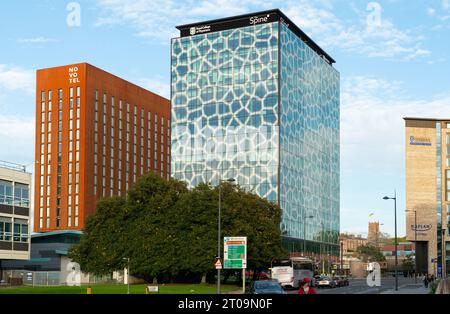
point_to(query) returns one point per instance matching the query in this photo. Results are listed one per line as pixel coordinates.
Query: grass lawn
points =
(119, 289)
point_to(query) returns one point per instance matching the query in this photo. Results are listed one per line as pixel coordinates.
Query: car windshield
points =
(267, 285)
(281, 263)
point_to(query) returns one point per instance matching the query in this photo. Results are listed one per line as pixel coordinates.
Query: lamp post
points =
(395, 220)
(444, 259)
(321, 242)
(304, 231)
(415, 243)
(128, 274)
(219, 231)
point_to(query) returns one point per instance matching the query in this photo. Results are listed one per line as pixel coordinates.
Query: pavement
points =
(409, 289)
(359, 286)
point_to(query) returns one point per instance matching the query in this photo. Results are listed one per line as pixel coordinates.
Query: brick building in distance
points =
(95, 135)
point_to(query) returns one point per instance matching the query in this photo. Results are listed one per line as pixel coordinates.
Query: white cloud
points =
(36, 40)
(446, 4)
(17, 135)
(15, 78)
(158, 18)
(373, 145)
(437, 61)
(156, 85)
(431, 11)
(372, 125)
(384, 40)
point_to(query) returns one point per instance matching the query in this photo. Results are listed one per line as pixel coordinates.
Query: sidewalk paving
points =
(408, 289)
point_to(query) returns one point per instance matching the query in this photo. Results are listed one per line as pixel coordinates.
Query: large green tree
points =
(151, 202)
(167, 230)
(102, 246)
(370, 253)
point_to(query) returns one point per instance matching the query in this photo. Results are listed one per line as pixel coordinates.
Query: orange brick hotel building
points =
(95, 135)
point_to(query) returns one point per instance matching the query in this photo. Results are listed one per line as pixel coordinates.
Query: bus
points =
(290, 272)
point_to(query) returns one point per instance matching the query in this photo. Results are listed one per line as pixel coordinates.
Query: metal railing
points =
(13, 166)
(45, 278)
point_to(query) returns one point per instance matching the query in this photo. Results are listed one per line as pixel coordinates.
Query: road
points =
(359, 286)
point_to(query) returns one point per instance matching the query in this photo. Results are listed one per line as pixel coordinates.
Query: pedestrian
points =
(305, 287)
(443, 287)
(425, 281)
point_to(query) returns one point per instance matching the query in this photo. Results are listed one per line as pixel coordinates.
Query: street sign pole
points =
(243, 280)
(235, 255)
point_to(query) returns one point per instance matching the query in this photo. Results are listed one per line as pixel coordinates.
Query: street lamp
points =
(415, 243)
(444, 252)
(304, 230)
(219, 231)
(396, 253)
(128, 273)
(321, 242)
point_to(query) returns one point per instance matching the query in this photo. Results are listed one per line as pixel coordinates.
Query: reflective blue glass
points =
(263, 108)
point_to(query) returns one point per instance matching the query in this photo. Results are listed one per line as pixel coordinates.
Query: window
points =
(21, 195)
(69, 216)
(6, 192)
(448, 184)
(47, 222)
(5, 229)
(20, 230)
(76, 216)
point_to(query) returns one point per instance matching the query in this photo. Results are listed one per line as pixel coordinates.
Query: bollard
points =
(89, 290)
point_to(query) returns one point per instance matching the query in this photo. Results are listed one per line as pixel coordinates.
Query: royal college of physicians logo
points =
(207, 28)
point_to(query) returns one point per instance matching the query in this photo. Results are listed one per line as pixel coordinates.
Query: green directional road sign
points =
(230, 264)
(235, 252)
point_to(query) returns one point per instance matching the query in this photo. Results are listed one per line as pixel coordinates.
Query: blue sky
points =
(393, 57)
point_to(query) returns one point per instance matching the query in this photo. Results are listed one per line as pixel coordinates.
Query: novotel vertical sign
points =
(73, 75)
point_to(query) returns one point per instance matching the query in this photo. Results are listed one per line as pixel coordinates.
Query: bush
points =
(433, 286)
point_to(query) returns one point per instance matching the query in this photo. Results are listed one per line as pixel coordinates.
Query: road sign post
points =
(218, 264)
(235, 255)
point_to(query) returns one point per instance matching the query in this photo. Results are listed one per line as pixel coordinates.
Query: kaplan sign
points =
(421, 228)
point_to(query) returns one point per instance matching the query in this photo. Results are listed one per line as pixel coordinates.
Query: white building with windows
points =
(15, 186)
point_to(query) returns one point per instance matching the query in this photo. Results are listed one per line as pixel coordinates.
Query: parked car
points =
(315, 281)
(326, 282)
(341, 281)
(262, 275)
(266, 287)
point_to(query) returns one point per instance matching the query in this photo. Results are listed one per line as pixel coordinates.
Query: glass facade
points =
(309, 145)
(258, 105)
